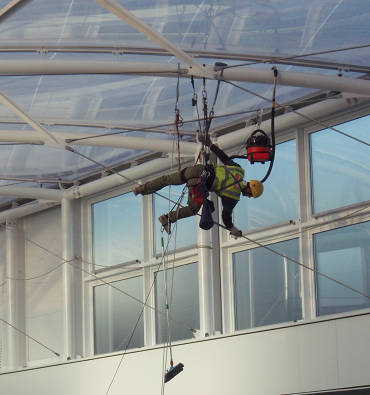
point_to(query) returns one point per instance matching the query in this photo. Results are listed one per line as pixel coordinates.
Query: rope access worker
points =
(226, 180)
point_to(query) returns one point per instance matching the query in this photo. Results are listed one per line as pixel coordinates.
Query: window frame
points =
(98, 282)
(159, 268)
(341, 223)
(304, 228)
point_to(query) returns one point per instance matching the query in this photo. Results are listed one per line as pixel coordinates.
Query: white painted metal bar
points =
(68, 279)
(148, 291)
(11, 272)
(286, 121)
(22, 211)
(97, 140)
(53, 195)
(12, 105)
(12, 8)
(242, 74)
(133, 174)
(129, 176)
(206, 302)
(149, 32)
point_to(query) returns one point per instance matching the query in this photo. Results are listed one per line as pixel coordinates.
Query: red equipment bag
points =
(196, 194)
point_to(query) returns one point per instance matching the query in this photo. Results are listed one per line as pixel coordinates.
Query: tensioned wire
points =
(76, 152)
(131, 334)
(294, 111)
(93, 275)
(109, 168)
(144, 304)
(276, 60)
(250, 240)
(261, 245)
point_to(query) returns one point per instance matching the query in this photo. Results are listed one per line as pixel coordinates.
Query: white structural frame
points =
(236, 74)
(131, 175)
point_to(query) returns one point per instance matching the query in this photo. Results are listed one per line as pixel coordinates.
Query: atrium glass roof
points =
(75, 67)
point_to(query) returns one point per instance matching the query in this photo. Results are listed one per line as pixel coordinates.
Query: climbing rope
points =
(294, 111)
(273, 146)
(178, 119)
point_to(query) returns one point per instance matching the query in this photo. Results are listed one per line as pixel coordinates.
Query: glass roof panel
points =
(232, 31)
(262, 27)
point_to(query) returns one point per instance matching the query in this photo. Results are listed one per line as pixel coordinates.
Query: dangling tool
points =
(173, 370)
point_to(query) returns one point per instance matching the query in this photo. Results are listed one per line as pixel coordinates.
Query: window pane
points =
(117, 235)
(116, 315)
(340, 166)
(343, 254)
(279, 202)
(184, 305)
(186, 234)
(267, 286)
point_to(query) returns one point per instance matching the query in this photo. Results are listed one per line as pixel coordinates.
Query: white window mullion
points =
(304, 210)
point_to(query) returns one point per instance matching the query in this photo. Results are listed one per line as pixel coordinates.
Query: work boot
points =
(163, 219)
(136, 190)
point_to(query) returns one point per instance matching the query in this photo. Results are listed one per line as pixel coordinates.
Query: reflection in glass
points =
(186, 234)
(118, 319)
(267, 286)
(279, 202)
(117, 233)
(183, 298)
(340, 167)
(344, 255)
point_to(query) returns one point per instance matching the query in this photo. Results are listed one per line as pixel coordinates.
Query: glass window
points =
(183, 298)
(267, 286)
(279, 202)
(344, 255)
(186, 234)
(340, 166)
(118, 319)
(117, 233)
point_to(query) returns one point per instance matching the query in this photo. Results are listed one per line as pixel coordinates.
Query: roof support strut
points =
(12, 105)
(354, 86)
(149, 32)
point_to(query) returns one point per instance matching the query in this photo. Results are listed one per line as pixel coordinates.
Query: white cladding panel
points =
(44, 293)
(304, 357)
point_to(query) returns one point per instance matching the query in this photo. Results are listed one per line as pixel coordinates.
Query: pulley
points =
(259, 148)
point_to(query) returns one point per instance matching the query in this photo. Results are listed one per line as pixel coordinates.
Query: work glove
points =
(205, 139)
(235, 232)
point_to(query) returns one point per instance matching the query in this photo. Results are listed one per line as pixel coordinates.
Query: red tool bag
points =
(196, 194)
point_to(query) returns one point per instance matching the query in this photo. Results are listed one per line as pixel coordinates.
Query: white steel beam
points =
(68, 280)
(12, 105)
(97, 140)
(231, 140)
(149, 32)
(353, 86)
(12, 273)
(133, 174)
(12, 8)
(53, 195)
(22, 211)
(206, 297)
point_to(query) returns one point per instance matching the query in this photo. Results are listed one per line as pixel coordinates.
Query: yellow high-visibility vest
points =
(229, 181)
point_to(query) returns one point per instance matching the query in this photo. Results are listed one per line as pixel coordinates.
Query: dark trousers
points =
(190, 176)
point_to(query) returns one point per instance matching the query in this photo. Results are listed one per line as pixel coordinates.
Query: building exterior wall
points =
(304, 357)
